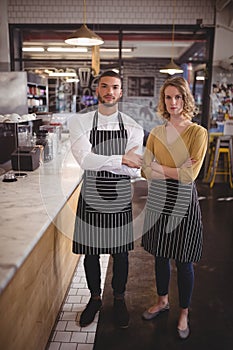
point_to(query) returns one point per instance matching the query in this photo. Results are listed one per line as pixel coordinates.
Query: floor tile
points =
(68, 346)
(85, 347)
(62, 336)
(79, 337)
(53, 346)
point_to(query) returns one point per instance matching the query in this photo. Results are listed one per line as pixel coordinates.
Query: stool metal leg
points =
(215, 163)
(227, 170)
(214, 169)
(230, 169)
(210, 164)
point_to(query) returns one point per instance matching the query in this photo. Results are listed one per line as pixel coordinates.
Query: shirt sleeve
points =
(82, 150)
(135, 139)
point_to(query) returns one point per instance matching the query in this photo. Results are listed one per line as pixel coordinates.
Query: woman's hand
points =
(156, 167)
(188, 163)
(159, 171)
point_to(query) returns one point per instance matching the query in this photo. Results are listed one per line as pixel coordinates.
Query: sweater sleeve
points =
(197, 151)
(148, 156)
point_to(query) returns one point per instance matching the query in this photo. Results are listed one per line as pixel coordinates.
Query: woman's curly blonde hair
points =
(189, 108)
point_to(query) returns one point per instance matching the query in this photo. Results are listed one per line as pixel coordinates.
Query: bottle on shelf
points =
(37, 94)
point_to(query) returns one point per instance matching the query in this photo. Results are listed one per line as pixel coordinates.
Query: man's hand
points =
(131, 159)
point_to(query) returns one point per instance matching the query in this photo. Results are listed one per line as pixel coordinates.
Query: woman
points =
(173, 228)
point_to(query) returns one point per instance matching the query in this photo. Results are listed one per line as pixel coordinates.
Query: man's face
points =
(109, 91)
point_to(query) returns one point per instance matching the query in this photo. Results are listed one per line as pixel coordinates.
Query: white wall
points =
(4, 38)
(223, 46)
(130, 12)
(110, 11)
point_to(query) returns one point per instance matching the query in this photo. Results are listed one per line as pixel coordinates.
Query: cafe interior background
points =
(137, 44)
(40, 73)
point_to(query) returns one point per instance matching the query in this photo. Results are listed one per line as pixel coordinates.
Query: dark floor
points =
(211, 312)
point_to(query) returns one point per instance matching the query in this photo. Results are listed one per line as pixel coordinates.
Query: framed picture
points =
(141, 86)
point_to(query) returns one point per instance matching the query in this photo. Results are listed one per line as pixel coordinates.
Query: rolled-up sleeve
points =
(82, 149)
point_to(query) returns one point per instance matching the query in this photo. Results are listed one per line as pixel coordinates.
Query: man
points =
(108, 145)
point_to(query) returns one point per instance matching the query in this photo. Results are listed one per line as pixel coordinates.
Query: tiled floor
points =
(67, 334)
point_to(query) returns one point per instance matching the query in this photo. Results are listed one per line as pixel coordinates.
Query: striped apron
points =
(173, 225)
(104, 213)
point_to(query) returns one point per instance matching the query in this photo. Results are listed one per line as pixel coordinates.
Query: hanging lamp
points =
(172, 68)
(84, 36)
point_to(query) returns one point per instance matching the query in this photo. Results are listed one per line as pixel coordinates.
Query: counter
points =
(37, 217)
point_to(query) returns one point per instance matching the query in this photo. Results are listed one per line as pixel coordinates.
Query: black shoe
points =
(121, 313)
(88, 314)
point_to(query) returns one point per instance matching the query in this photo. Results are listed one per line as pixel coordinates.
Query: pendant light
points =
(84, 36)
(172, 68)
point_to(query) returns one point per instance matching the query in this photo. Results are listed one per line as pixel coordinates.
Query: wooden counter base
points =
(30, 303)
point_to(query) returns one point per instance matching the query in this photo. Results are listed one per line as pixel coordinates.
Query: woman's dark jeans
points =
(185, 279)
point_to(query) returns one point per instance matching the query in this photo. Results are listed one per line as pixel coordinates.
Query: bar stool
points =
(210, 158)
(223, 148)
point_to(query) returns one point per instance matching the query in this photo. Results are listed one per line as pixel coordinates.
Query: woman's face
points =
(173, 100)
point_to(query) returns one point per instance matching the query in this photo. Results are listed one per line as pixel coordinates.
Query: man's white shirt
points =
(80, 126)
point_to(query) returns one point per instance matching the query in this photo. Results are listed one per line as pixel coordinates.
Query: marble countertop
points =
(29, 205)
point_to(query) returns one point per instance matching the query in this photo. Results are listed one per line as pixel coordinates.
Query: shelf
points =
(37, 94)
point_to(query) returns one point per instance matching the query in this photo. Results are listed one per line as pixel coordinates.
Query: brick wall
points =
(143, 109)
(110, 11)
